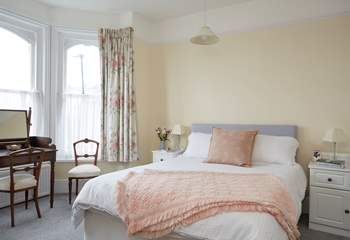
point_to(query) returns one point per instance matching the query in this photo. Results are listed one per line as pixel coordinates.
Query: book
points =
(331, 163)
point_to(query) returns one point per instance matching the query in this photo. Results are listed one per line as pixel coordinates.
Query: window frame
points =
(62, 38)
(38, 35)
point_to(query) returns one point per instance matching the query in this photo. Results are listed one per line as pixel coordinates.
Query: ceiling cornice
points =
(244, 16)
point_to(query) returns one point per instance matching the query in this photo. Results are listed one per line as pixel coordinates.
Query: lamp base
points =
(334, 151)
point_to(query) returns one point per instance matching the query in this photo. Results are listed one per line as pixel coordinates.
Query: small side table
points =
(330, 199)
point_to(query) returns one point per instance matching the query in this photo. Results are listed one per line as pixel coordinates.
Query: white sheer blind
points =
(79, 100)
(18, 85)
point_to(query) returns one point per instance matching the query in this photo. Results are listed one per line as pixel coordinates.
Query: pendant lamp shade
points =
(205, 37)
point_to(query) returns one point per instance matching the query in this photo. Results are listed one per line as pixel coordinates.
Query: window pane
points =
(83, 70)
(15, 62)
(79, 117)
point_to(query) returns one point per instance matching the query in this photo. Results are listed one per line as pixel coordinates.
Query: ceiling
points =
(151, 9)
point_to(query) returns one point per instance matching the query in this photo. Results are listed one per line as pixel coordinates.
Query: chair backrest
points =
(34, 156)
(85, 155)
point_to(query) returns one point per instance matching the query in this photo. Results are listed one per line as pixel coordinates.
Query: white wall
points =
(84, 19)
(66, 17)
(27, 8)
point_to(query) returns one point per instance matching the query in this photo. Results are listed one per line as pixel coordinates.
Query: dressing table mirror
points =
(14, 127)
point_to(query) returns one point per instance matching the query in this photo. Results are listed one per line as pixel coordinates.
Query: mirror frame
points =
(18, 140)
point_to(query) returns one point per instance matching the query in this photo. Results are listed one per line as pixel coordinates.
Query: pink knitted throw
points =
(154, 203)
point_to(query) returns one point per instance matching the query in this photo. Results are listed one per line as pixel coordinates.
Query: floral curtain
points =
(119, 130)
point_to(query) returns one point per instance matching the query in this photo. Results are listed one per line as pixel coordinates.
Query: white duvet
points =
(100, 194)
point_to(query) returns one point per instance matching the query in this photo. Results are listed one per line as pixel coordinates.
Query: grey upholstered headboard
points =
(274, 130)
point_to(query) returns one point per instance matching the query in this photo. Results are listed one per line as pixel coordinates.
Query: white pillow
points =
(275, 149)
(198, 145)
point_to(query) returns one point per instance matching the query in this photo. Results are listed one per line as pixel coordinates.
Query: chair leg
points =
(37, 202)
(12, 207)
(76, 187)
(70, 190)
(26, 199)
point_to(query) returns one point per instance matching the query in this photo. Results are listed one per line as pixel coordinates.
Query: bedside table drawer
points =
(159, 157)
(330, 179)
(162, 156)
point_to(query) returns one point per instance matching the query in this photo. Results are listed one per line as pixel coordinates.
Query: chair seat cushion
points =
(21, 181)
(84, 170)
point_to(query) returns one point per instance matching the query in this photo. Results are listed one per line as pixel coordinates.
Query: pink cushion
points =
(231, 147)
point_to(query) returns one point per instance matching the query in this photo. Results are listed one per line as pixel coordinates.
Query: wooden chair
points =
(23, 182)
(83, 171)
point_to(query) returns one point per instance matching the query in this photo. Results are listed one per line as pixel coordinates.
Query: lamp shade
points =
(334, 135)
(205, 37)
(178, 130)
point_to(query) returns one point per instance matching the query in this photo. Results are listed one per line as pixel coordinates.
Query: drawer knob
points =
(347, 211)
(329, 179)
(161, 159)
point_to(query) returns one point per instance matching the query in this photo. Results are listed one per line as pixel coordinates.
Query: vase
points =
(162, 145)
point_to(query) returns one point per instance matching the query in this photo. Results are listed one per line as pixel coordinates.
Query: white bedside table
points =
(162, 155)
(330, 199)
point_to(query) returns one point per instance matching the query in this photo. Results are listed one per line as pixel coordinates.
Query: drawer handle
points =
(347, 211)
(161, 159)
(329, 179)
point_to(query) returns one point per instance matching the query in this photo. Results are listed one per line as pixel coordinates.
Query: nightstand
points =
(162, 155)
(330, 199)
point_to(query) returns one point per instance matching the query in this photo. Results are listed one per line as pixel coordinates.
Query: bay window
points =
(57, 76)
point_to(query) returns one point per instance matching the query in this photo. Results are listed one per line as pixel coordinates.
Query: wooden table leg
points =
(52, 183)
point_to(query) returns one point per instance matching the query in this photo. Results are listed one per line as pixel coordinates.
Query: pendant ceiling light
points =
(205, 36)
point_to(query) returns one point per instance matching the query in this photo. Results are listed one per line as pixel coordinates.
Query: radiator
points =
(44, 187)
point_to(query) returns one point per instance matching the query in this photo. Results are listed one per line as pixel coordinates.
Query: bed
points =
(95, 205)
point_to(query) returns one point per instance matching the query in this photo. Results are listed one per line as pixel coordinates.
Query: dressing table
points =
(12, 133)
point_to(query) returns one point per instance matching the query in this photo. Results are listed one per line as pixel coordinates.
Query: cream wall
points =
(293, 74)
(149, 96)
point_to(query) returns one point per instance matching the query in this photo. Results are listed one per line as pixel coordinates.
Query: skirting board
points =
(61, 185)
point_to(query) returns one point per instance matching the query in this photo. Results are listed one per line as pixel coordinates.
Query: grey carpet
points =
(56, 225)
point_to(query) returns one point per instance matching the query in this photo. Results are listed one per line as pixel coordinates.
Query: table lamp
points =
(334, 135)
(178, 130)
